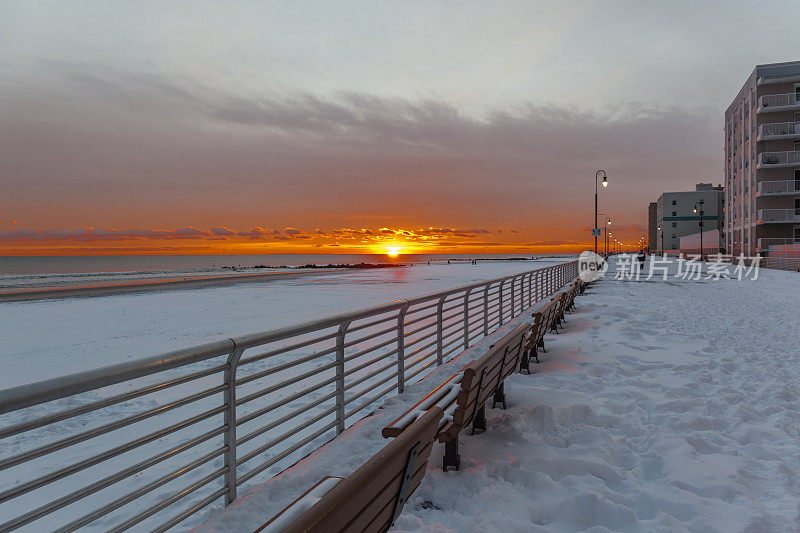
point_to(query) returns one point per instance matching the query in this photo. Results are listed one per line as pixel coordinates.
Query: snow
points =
(75, 334)
(665, 405)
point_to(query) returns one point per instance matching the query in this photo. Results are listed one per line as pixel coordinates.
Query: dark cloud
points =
(222, 231)
(177, 152)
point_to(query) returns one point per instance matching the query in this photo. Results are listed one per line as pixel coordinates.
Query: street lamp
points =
(605, 184)
(661, 230)
(608, 223)
(700, 203)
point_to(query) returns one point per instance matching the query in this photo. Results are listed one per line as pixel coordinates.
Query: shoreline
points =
(152, 285)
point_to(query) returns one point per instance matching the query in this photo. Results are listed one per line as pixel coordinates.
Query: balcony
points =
(778, 188)
(779, 130)
(778, 102)
(778, 216)
(778, 159)
(765, 244)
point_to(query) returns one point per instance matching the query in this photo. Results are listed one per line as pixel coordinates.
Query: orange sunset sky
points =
(153, 128)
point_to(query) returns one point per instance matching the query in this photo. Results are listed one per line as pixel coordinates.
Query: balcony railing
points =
(778, 102)
(778, 159)
(775, 188)
(767, 242)
(778, 215)
(778, 130)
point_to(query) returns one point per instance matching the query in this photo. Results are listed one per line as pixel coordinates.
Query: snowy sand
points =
(70, 335)
(664, 406)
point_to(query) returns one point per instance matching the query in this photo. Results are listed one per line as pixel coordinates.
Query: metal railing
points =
(778, 215)
(778, 100)
(765, 243)
(779, 129)
(766, 188)
(148, 443)
(781, 263)
(779, 158)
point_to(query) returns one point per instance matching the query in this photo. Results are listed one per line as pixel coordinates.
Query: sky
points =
(340, 127)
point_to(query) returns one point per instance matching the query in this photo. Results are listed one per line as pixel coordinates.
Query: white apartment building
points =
(675, 216)
(762, 161)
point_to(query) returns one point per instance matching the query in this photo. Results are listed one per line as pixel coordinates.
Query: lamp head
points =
(605, 181)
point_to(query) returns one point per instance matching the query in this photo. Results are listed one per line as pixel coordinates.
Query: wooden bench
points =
(547, 317)
(464, 395)
(542, 320)
(572, 292)
(372, 497)
(565, 300)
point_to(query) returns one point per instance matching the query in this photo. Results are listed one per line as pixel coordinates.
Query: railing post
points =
(500, 303)
(401, 349)
(439, 327)
(528, 292)
(486, 310)
(466, 318)
(513, 298)
(229, 420)
(340, 377)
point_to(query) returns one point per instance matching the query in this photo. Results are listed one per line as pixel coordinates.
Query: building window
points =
(674, 224)
(674, 213)
(674, 202)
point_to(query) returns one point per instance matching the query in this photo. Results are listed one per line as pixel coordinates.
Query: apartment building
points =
(652, 227)
(675, 215)
(762, 161)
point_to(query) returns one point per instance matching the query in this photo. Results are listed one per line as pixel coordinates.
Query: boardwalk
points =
(671, 405)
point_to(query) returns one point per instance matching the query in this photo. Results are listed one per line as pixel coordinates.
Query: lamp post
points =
(700, 203)
(606, 233)
(661, 230)
(605, 184)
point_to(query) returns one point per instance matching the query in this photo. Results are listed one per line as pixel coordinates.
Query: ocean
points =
(44, 272)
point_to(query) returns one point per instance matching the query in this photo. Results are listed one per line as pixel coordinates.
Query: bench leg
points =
(479, 420)
(500, 396)
(524, 363)
(536, 352)
(451, 457)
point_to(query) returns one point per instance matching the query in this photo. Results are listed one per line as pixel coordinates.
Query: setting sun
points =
(393, 251)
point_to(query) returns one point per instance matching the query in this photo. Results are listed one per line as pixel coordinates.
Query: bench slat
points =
(382, 509)
(362, 497)
(442, 396)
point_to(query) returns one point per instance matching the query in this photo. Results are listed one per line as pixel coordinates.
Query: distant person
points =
(642, 258)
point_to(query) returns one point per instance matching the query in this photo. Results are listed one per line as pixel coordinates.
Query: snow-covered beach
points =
(89, 333)
(663, 406)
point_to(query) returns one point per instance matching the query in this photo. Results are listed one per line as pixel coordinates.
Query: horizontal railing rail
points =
(778, 215)
(766, 188)
(781, 263)
(779, 100)
(778, 129)
(779, 158)
(148, 443)
(764, 243)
